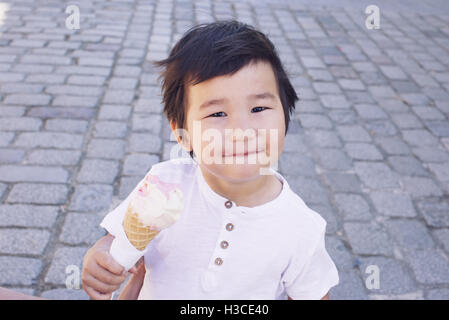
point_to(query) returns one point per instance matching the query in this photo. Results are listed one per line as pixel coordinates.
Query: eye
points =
(213, 115)
(259, 109)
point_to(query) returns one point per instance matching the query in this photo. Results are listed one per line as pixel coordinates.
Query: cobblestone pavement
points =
(368, 147)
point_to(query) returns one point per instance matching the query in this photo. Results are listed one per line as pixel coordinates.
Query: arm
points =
(7, 294)
(326, 297)
(132, 288)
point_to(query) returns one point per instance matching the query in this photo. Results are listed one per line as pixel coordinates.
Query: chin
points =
(239, 172)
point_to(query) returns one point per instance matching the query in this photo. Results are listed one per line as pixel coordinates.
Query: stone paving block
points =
(15, 173)
(118, 96)
(21, 88)
(148, 105)
(67, 125)
(342, 182)
(106, 148)
(381, 128)
(429, 266)
(410, 234)
(54, 157)
(376, 175)
(438, 128)
(140, 142)
(343, 116)
(420, 187)
(333, 101)
(110, 129)
(351, 84)
(431, 154)
(352, 207)
(123, 83)
(393, 72)
(98, 171)
(340, 253)
(328, 214)
(62, 112)
(363, 151)
(434, 211)
(28, 99)
(23, 241)
(353, 133)
(65, 294)
(38, 193)
(147, 122)
(86, 80)
(49, 140)
(368, 238)
(19, 270)
(127, 184)
(393, 204)
(437, 294)
(406, 121)
(350, 287)
(91, 197)
(139, 164)
(314, 121)
(81, 229)
(324, 138)
(112, 112)
(395, 278)
(297, 164)
(406, 165)
(428, 113)
(333, 159)
(75, 101)
(18, 215)
(64, 257)
(393, 145)
(8, 156)
(326, 87)
(370, 111)
(310, 190)
(442, 236)
(6, 138)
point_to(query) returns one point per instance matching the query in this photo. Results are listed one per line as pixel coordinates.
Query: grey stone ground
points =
(368, 148)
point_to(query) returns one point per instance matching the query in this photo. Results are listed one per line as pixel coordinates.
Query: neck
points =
(249, 193)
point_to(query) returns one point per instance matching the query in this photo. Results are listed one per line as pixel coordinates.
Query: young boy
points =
(243, 233)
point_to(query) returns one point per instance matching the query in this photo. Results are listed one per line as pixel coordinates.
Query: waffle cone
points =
(138, 234)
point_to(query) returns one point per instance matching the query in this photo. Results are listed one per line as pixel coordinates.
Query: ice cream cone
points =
(137, 233)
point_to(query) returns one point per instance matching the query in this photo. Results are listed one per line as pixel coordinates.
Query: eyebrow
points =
(256, 96)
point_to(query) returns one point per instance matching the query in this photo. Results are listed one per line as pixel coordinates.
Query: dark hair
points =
(214, 49)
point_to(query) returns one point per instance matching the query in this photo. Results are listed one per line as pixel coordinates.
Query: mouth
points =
(242, 154)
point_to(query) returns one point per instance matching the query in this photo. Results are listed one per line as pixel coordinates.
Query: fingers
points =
(97, 295)
(135, 268)
(105, 260)
(99, 286)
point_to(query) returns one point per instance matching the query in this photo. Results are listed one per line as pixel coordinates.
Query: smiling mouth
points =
(242, 154)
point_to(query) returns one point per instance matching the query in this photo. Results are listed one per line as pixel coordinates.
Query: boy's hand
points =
(102, 275)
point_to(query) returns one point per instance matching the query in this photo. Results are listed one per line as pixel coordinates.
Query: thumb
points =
(133, 270)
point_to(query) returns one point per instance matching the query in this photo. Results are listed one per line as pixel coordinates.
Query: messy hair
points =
(214, 49)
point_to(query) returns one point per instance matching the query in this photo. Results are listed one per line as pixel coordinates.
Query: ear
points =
(183, 141)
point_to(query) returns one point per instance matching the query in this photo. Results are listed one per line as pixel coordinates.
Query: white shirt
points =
(273, 250)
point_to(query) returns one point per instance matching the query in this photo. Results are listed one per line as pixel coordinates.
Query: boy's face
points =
(217, 130)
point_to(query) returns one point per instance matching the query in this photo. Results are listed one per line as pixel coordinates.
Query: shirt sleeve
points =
(112, 222)
(311, 279)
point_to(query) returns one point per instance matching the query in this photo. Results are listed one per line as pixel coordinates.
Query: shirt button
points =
(229, 227)
(219, 261)
(224, 244)
(228, 204)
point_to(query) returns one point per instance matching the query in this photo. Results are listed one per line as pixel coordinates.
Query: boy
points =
(243, 233)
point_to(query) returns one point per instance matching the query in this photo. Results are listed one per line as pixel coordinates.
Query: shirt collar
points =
(219, 201)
